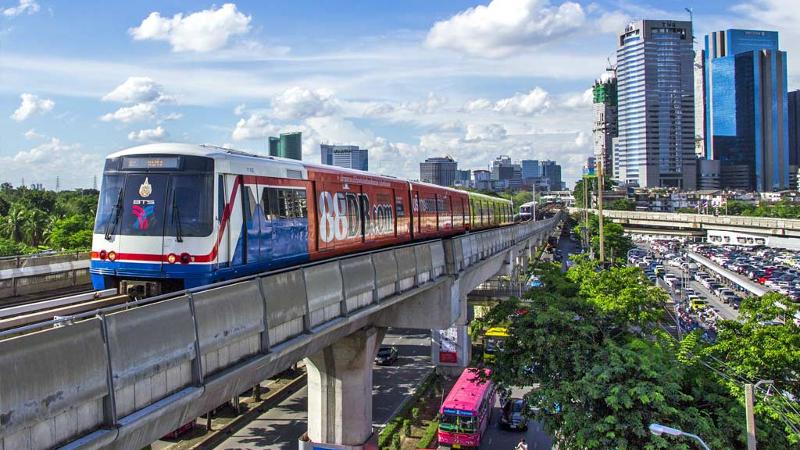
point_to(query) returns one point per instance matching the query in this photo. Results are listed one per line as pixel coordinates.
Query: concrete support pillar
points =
(340, 391)
(451, 350)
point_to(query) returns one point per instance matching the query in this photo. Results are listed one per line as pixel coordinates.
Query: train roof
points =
(217, 152)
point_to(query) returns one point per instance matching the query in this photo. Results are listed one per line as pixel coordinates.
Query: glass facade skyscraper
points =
(655, 83)
(747, 123)
(441, 171)
(288, 145)
(348, 156)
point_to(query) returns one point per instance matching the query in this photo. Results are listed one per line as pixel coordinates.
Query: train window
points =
(191, 205)
(220, 197)
(248, 202)
(398, 207)
(109, 200)
(144, 205)
(301, 203)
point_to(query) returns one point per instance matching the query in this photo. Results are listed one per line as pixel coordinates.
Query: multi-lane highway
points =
(279, 427)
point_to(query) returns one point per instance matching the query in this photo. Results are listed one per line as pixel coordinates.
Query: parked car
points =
(386, 356)
(513, 417)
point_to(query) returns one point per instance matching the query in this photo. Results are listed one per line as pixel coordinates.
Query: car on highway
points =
(513, 416)
(534, 282)
(387, 356)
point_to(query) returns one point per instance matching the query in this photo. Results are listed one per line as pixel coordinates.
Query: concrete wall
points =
(128, 376)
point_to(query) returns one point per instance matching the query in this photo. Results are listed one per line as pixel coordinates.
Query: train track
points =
(14, 317)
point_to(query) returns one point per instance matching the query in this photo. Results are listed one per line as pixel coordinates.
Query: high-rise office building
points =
(441, 171)
(604, 99)
(552, 172)
(348, 156)
(274, 146)
(530, 169)
(463, 177)
(655, 80)
(699, 105)
(502, 168)
(747, 123)
(794, 137)
(288, 145)
(590, 166)
(482, 179)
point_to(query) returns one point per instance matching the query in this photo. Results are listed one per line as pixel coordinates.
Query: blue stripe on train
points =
(193, 275)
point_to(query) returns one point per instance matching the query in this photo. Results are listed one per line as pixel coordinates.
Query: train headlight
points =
(172, 258)
(186, 258)
(112, 255)
(103, 255)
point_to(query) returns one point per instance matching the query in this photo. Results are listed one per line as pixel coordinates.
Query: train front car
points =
(154, 230)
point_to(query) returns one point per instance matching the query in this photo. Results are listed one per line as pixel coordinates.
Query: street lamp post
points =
(658, 429)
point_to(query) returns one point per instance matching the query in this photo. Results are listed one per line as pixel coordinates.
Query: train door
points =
(252, 224)
(288, 215)
(236, 224)
(417, 210)
(268, 224)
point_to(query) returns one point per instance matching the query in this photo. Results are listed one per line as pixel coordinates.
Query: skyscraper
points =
(747, 123)
(794, 137)
(349, 156)
(441, 171)
(656, 105)
(288, 145)
(699, 105)
(604, 99)
(552, 172)
(530, 169)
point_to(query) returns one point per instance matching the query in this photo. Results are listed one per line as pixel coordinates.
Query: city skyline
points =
(406, 86)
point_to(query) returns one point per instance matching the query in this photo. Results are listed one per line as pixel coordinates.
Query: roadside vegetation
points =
(593, 344)
(36, 220)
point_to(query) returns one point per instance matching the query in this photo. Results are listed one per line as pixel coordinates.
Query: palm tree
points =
(35, 226)
(13, 223)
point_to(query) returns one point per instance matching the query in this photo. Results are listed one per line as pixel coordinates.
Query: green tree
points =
(603, 371)
(622, 204)
(13, 223)
(72, 232)
(763, 344)
(35, 225)
(577, 192)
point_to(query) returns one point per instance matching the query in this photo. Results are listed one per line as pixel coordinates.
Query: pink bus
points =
(466, 411)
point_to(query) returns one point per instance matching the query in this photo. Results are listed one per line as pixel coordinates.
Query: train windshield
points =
(155, 204)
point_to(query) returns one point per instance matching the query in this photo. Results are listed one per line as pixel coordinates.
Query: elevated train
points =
(177, 216)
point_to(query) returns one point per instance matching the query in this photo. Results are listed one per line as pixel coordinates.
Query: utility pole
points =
(749, 411)
(533, 215)
(600, 186)
(751, 419)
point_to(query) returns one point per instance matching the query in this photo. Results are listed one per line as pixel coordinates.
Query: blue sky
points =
(408, 80)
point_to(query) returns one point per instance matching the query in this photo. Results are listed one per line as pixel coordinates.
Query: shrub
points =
(385, 438)
(415, 414)
(429, 436)
(406, 427)
(396, 441)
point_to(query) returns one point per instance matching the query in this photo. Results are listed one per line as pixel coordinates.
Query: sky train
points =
(177, 216)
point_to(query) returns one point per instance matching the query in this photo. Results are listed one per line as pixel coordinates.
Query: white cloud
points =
(613, 22)
(432, 103)
(43, 162)
(256, 126)
(135, 113)
(170, 116)
(490, 132)
(32, 134)
(581, 140)
(505, 26)
(300, 103)
(202, 31)
(24, 6)
(31, 104)
(521, 104)
(240, 109)
(138, 90)
(378, 109)
(581, 100)
(157, 134)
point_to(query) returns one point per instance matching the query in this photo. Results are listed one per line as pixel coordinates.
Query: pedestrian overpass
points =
(124, 376)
